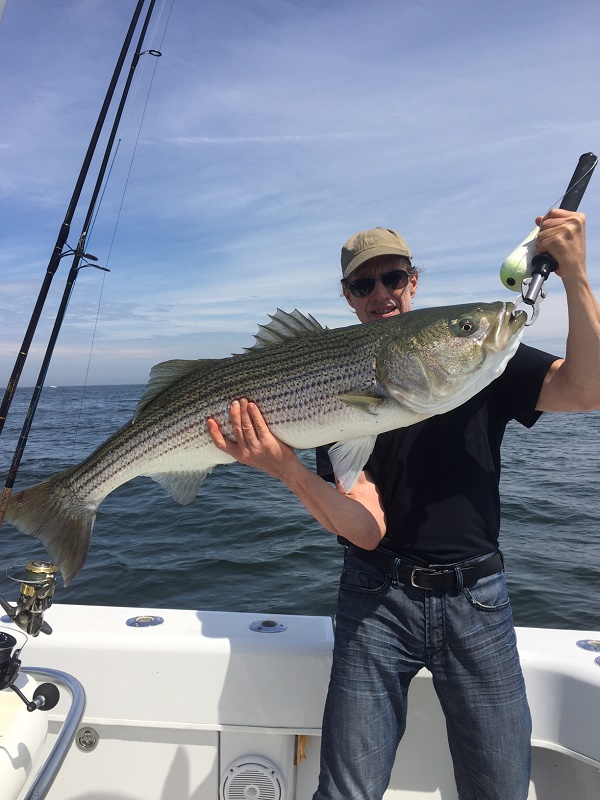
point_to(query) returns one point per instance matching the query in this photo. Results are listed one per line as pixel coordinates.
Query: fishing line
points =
(96, 210)
(157, 53)
(78, 256)
(575, 185)
(582, 178)
(57, 253)
(123, 124)
(87, 372)
(129, 171)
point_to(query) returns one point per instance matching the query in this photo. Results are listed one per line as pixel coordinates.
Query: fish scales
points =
(287, 383)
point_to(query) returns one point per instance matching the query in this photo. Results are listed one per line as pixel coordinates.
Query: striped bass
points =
(313, 386)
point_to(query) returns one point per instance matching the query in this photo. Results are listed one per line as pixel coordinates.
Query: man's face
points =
(382, 301)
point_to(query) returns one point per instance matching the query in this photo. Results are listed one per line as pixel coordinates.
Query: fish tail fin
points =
(62, 522)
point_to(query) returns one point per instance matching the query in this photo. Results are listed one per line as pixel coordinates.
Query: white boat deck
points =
(179, 708)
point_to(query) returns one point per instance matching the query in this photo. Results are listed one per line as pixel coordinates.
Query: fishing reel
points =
(45, 697)
(36, 595)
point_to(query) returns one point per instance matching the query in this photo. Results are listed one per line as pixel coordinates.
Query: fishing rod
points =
(78, 256)
(543, 263)
(57, 253)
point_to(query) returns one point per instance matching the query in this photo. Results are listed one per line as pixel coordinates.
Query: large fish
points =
(313, 385)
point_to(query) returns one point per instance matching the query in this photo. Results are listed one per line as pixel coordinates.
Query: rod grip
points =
(579, 181)
(543, 263)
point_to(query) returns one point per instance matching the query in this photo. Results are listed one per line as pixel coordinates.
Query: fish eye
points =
(466, 325)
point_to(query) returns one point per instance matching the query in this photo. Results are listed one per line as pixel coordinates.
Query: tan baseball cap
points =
(368, 244)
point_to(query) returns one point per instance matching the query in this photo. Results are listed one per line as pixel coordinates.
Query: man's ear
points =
(412, 284)
(349, 298)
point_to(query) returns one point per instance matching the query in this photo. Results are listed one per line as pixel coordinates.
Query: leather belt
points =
(428, 577)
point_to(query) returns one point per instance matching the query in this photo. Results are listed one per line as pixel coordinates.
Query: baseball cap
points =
(368, 244)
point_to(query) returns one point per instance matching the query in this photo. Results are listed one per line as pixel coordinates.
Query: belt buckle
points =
(427, 571)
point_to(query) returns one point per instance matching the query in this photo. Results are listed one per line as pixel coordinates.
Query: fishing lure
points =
(525, 271)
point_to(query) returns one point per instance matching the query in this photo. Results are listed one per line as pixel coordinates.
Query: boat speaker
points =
(251, 778)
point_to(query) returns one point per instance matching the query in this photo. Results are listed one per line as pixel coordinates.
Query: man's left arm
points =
(572, 383)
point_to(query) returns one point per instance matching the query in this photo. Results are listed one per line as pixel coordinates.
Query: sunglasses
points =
(362, 287)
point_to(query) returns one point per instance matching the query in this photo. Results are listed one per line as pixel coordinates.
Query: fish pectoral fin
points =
(182, 486)
(348, 459)
(366, 402)
(164, 375)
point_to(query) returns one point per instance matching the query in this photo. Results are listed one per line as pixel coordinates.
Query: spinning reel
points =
(36, 594)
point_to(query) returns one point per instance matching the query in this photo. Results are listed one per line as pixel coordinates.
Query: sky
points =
(266, 134)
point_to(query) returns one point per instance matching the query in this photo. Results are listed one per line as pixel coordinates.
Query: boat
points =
(123, 703)
(206, 705)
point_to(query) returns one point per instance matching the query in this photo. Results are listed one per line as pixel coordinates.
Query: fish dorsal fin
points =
(348, 459)
(164, 375)
(182, 486)
(284, 326)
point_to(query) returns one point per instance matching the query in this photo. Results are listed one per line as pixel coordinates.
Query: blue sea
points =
(246, 543)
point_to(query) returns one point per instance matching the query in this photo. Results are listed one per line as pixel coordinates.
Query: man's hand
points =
(254, 444)
(562, 235)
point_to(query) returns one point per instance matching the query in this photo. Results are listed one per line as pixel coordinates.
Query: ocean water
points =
(246, 543)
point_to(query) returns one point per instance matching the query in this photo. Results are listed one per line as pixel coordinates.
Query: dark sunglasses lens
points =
(397, 278)
(362, 287)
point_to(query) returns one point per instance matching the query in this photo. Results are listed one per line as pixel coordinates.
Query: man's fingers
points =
(235, 417)
(214, 431)
(560, 216)
(245, 422)
(258, 421)
(248, 428)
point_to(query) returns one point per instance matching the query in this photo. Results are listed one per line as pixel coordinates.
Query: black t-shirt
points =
(439, 479)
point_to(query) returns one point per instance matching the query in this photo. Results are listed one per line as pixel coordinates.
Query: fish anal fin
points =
(182, 486)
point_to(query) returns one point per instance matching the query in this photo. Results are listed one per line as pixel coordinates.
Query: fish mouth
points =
(508, 324)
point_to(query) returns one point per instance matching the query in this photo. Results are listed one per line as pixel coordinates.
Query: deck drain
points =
(144, 621)
(268, 626)
(589, 644)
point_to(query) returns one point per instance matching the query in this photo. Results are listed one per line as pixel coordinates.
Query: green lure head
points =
(517, 265)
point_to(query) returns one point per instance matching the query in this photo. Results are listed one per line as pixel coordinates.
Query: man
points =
(423, 582)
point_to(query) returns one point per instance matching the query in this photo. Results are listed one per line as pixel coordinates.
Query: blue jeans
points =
(386, 632)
